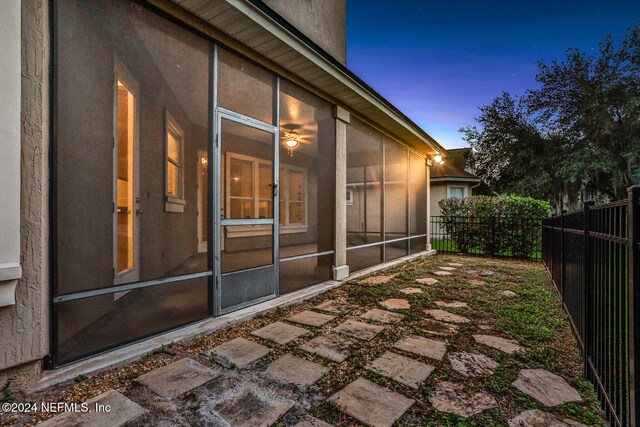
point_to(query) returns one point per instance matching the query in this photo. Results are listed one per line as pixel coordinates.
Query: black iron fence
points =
(593, 256)
(506, 236)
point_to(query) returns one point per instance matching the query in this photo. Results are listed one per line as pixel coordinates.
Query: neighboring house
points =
(168, 162)
(453, 179)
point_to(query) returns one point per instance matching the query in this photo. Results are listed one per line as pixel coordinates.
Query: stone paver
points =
(422, 346)
(538, 418)
(410, 291)
(333, 306)
(477, 282)
(280, 332)
(481, 273)
(427, 281)
(447, 268)
(401, 369)
(238, 352)
(296, 370)
(499, 343)
(508, 294)
(252, 407)
(437, 328)
(455, 399)
(452, 304)
(377, 279)
(382, 316)
(312, 422)
(546, 387)
(123, 410)
(371, 404)
(454, 264)
(472, 364)
(311, 318)
(442, 273)
(333, 347)
(360, 330)
(177, 378)
(395, 304)
(445, 316)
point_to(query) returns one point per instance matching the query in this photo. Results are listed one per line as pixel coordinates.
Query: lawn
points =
(533, 317)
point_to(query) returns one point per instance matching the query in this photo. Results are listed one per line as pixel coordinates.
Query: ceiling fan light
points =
(291, 143)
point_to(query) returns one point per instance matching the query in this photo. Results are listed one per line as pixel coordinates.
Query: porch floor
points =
(486, 345)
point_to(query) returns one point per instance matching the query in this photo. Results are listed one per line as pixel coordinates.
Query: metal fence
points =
(506, 236)
(593, 256)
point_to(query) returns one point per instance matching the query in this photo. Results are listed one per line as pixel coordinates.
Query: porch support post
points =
(428, 207)
(341, 269)
(10, 87)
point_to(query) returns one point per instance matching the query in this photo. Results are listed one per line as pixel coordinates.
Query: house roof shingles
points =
(454, 166)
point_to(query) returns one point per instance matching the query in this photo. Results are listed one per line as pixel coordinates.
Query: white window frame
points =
(263, 230)
(349, 196)
(465, 191)
(173, 203)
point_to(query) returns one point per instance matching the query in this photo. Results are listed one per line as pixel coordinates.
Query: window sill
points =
(174, 205)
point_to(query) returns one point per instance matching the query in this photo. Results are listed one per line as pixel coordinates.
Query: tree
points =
(579, 132)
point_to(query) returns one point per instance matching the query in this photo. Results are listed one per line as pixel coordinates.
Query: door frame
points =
(121, 73)
(218, 222)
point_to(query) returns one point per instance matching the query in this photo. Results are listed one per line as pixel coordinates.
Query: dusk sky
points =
(438, 61)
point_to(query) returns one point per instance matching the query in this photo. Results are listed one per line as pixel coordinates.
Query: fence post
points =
(633, 223)
(562, 256)
(587, 287)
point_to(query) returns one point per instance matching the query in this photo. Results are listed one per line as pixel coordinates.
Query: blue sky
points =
(438, 61)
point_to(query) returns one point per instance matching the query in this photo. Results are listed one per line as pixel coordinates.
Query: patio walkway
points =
(394, 347)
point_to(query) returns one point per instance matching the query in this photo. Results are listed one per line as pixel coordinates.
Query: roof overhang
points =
(454, 179)
(261, 30)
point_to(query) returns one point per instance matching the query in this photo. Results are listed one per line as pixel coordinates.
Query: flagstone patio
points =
(411, 364)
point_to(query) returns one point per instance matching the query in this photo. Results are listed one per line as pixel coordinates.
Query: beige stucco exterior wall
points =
(24, 326)
(323, 21)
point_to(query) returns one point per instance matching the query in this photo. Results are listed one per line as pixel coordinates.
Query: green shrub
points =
(500, 225)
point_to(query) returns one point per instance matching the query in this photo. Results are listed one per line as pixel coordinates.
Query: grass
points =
(534, 318)
(450, 246)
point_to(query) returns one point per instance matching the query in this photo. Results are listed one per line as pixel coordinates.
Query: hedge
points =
(499, 225)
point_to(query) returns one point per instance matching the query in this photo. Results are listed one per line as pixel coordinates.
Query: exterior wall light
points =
(438, 159)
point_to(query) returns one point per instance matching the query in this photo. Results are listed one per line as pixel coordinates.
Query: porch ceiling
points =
(253, 27)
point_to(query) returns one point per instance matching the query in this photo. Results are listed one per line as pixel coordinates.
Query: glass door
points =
(246, 248)
(126, 198)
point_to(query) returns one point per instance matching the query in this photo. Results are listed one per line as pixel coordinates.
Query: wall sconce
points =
(291, 141)
(438, 159)
(204, 161)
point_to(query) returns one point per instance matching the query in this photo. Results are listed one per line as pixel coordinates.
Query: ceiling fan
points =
(294, 135)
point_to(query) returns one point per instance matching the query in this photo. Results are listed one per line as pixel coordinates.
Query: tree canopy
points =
(576, 136)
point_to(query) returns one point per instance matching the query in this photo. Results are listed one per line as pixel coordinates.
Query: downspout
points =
(474, 186)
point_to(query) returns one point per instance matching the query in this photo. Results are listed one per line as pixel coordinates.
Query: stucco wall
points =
(323, 21)
(24, 326)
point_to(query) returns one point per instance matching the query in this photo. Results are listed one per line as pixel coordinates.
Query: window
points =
(456, 192)
(349, 197)
(174, 146)
(249, 194)
(293, 206)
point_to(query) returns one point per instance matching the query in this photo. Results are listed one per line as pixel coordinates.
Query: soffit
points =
(250, 26)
